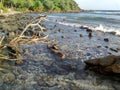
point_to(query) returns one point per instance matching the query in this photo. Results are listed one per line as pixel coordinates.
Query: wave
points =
(96, 18)
(107, 12)
(51, 16)
(107, 29)
(95, 28)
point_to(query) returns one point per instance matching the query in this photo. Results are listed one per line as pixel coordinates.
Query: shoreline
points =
(44, 70)
(11, 13)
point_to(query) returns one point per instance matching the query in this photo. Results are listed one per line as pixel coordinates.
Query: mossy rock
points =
(8, 78)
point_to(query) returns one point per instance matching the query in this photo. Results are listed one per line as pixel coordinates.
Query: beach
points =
(44, 70)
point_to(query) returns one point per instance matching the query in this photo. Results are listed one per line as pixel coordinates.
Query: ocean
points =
(103, 20)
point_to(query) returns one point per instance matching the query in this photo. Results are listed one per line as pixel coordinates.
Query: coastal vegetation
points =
(40, 5)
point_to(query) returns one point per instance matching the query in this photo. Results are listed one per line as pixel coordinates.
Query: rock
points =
(98, 46)
(90, 35)
(113, 33)
(81, 35)
(106, 47)
(11, 35)
(2, 16)
(60, 30)
(8, 78)
(61, 55)
(83, 27)
(109, 64)
(62, 36)
(115, 50)
(113, 68)
(75, 30)
(55, 47)
(118, 49)
(88, 30)
(106, 39)
(55, 26)
(20, 28)
(45, 30)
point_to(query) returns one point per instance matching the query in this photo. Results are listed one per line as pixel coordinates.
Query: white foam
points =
(97, 28)
(70, 24)
(50, 16)
(107, 29)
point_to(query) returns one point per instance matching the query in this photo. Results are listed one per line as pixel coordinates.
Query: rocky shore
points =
(44, 70)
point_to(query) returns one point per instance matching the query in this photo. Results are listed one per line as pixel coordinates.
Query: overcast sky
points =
(99, 4)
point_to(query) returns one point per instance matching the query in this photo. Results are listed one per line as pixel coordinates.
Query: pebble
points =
(60, 30)
(75, 30)
(90, 35)
(81, 35)
(115, 50)
(106, 39)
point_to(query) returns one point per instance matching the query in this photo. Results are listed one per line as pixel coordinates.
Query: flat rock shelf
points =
(44, 70)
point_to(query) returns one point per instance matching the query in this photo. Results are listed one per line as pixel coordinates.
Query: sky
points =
(99, 4)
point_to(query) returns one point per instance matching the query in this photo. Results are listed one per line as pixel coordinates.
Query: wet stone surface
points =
(43, 70)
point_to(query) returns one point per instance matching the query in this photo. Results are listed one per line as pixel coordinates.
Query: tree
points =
(48, 4)
(38, 5)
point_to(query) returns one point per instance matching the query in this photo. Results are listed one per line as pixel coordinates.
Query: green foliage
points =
(42, 5)
(2, 7)
(48, 5)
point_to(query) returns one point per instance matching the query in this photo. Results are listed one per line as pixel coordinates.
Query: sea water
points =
(103, 20)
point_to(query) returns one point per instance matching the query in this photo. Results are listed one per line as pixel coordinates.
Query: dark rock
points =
(62, 36)
(115, 50)
(113, 33)
(20, 28)
(83, 27)
(98, 46)
(51, 28)
(90, 35)
(54, 26)
(2, 16)
(55, 47)
(106, 47)
(60, 30)
(75, 30)
(109, 64)
(106, 39)
(109, 53)
(61, 55)
(81, 35)
(45, 30)
(88, 30)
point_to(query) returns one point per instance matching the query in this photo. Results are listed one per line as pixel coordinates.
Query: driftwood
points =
(13, 47)
(54, 48)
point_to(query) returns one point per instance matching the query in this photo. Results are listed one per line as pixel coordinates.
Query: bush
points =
(3, 8)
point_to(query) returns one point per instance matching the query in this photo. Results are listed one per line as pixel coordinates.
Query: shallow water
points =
(99, 20)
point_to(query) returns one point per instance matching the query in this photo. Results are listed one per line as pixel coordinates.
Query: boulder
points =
(109, 64)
